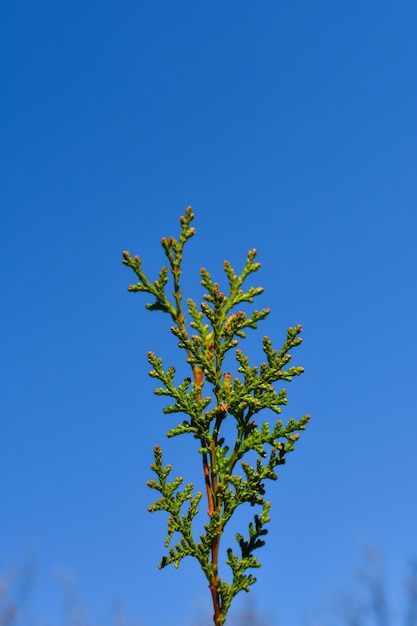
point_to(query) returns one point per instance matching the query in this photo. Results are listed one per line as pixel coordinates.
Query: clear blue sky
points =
(289, 126)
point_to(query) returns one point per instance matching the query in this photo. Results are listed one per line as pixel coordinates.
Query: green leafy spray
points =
(215, 328)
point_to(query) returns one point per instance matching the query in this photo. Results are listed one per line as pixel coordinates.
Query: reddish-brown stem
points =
(216, 601)
(207, 481)
(214, 586)
(198, 379)
(211, 486)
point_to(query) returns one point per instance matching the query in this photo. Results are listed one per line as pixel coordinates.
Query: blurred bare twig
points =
(15, 585)
(369, 604)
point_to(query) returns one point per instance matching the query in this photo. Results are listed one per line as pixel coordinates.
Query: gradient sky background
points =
(289, 126)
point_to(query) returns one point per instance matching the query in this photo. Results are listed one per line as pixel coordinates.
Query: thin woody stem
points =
(210, 480)
(216, 603)
(198, 380)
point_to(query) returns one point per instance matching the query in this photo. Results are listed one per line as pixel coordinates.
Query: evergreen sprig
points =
(231, 477)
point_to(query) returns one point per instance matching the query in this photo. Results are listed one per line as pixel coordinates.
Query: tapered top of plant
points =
(206, 333)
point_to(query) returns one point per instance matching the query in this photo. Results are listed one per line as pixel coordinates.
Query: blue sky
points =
(289, 127)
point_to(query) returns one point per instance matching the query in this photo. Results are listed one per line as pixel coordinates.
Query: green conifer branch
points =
(231, 477)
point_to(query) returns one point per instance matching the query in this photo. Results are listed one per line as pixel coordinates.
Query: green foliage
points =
(216, 328)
